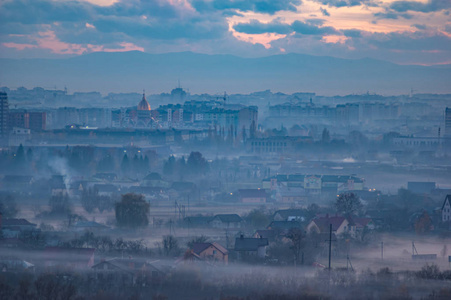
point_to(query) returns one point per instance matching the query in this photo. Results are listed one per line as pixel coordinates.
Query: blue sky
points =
(405, 32)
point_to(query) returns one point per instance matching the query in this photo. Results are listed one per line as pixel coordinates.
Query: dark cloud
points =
(431, 5)
(324, 12)
(419, 26)
(194, 28)
(309, 29)
(256, 27)
(345, 3)
(45, 11)
(352, 33)
(260, 6)
(392, 15)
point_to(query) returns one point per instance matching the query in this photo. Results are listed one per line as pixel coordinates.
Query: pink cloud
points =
(48, 40)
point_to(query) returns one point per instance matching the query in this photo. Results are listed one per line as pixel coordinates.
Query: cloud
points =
(346, 3)
(259, 6)
(430, 6)
(324, 12)
(353, 33)
(419, 26)
(309, 29)
(256, 27)
(392, 15)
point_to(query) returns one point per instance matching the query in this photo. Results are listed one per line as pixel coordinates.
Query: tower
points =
(4, 114)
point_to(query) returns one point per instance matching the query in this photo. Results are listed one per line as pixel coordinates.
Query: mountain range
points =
(203, 73)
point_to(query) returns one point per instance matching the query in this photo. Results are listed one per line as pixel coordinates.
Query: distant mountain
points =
(202, 73)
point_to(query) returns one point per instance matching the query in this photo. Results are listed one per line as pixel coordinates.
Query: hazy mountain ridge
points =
(132, 71)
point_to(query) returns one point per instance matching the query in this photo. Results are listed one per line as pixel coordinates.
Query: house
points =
(57, 185)
(106, 189)
(340, 225)
(446, 210)
(291, 195)
(282, 227)
(352, 225)
(65, 257)
(211, 252)
(16, 182)
(266, 234)
(88, 225)
(227, 221)
(154, 180)
(421, 187)
(9, 264)
(127, 272)
(196, 221)
(251, 247)
(299, 215)
(252, 196)
(11, 228)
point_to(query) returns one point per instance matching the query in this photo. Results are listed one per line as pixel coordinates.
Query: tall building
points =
(4, 115)
(448, 122)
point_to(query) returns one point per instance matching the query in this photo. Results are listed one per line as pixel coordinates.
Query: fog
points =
(224, 196)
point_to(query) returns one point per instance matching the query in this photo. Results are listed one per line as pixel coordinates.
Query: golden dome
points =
(144, 105)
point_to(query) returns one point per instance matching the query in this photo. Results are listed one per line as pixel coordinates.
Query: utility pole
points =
(382, 250)
(330, 245)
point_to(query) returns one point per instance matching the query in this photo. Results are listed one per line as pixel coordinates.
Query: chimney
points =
(241, 236)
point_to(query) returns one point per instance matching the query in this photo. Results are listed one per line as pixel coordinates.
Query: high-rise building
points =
(448, 122)
(4, 115)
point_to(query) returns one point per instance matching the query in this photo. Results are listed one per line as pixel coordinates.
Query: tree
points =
(296, 236)
(348, 203)
(125, 164)
(132, 211)
(170, 245)
(197, 239)
(197, 164)
(325, 137)
(8, 206)
(169, 166)
(257, 218)
(59, 204)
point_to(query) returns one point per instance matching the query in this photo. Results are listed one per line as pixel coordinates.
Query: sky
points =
(404, 32)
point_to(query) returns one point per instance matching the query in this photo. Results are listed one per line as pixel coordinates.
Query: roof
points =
(90, 224)
(420, 187)
(106, 188)
(229, 218)
(267, 234)
(153, 176)
(293, 212)
(16, 222)
(129, 264)
(201, 220)
(323, 222)
(17, 178)
(284, 225)
(183, 185)
(250, 244)
(198, 248)
(246, 193)
(447, 198)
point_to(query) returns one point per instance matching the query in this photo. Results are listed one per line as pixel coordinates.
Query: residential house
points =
(68, 258)
(299, 215)
(340, 225)
(252, 196)
(154, 180)
(211, 252)
(106, 189)
(88, 225)
(127, 272)
(11, 228)
(255, 247)
(16, 182)
(196, 221)
(351, 225)
(227, 221)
